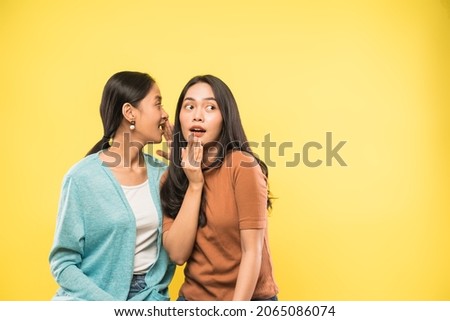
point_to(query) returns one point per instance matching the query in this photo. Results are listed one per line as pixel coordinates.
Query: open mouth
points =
(197, 131)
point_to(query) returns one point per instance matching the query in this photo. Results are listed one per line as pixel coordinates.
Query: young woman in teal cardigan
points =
(107, 243)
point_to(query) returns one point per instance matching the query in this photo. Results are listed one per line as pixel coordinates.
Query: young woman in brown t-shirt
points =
(215, 200)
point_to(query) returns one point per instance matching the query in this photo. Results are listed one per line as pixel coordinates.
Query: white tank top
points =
(141, 202)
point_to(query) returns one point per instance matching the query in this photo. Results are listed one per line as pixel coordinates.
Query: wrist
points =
(196, 187)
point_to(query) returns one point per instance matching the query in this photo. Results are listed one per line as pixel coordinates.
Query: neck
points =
(126, 152)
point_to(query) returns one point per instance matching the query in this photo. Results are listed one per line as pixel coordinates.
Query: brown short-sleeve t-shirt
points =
(236, 199)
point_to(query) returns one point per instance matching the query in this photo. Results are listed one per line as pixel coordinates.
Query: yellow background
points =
(374, 73)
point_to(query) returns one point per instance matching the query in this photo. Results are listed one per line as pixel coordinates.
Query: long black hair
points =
(123, 87)
(232, 137)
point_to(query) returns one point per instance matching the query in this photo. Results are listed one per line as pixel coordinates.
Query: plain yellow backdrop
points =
(373, 73)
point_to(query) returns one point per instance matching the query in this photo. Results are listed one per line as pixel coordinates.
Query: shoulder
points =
(242, 166)
(83, 173)
(245, 171)
(239, 160)
(85, 167)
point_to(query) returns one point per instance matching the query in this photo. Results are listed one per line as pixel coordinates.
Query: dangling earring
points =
(133, 125)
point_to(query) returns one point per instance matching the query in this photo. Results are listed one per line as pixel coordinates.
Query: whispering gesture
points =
(167, 133)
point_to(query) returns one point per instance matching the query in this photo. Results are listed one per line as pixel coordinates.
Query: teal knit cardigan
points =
(92, 257)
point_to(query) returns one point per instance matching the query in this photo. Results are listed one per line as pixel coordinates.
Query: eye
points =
(210, 107)
(189, 107)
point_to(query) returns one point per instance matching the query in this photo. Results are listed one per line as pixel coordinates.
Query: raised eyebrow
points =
(158, 98)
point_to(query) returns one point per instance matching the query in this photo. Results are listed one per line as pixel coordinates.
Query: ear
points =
(128, 112)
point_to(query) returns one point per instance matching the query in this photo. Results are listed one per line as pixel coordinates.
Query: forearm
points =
(248, 276)
(179, 239)
(79, 286)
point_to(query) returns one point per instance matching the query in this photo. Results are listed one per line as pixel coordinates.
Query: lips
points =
(197, 131)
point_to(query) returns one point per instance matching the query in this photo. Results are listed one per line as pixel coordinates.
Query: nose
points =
(165, 115)
(198, 115)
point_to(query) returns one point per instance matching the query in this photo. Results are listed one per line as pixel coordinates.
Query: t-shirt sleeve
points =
(250, 188)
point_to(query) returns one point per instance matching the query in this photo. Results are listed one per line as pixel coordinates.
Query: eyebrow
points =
(158, 98)
(207, 98)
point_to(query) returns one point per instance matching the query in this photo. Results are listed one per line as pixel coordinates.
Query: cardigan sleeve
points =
(68, 248)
